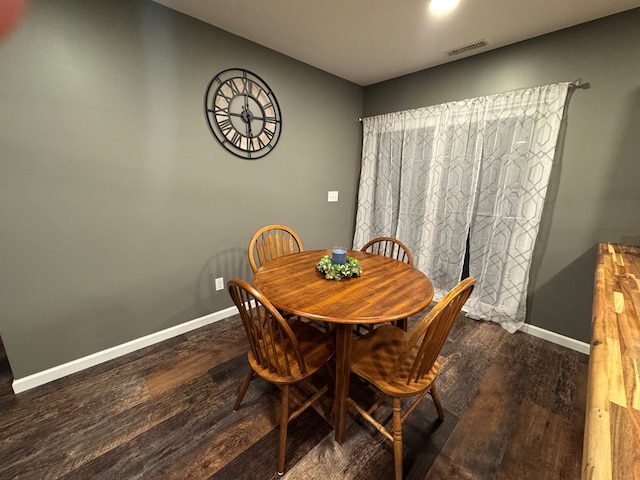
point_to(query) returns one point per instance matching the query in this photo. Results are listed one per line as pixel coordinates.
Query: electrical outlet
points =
(219, 283)
(332, 196)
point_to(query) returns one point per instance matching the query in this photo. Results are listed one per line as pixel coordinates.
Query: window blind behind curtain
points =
(471, 171)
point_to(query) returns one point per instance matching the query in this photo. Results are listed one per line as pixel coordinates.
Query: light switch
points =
(333, 196)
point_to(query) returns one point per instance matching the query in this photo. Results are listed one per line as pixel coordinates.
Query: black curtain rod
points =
(577, 83)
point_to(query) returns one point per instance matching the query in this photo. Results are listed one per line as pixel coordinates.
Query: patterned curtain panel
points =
(476, 169)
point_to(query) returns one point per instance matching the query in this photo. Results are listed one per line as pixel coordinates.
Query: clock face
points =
(243, 113)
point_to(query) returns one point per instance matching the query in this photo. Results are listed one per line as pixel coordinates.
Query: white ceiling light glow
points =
(441, 7)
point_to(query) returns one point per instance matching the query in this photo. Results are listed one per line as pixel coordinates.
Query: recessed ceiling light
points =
(440, 7)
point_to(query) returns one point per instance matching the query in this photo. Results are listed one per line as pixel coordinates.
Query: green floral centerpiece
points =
(335, 271)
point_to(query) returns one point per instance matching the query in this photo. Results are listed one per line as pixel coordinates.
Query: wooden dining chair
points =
(285, 353)
(402, 364)
(270, 242)
(392, 248)
(389, 247)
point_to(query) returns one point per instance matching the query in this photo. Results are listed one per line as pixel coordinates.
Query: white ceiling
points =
(369, 41)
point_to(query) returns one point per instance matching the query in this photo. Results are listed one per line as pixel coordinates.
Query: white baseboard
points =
(35, 380)
(31, 381)
(556, 338)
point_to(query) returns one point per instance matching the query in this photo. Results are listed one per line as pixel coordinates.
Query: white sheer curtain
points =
(478, 168)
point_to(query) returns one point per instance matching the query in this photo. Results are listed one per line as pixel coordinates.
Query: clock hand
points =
(244, 117)
(247, 119)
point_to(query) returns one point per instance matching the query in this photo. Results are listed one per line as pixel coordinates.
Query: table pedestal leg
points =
(343, 370)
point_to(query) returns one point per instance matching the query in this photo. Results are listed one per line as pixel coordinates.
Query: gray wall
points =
(118, 206)
(595, 194)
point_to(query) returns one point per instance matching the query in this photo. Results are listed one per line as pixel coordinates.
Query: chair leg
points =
(243, 388)
(284, 422)
(436, 401)
(362, 326)
(328, 326)
(397, 437)
(402, 323)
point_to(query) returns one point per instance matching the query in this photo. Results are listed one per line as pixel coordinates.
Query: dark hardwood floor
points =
(514, 407)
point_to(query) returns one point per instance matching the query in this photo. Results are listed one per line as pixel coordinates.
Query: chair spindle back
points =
(389, 247)
(272, 343)
(271, 242)
(427, 339)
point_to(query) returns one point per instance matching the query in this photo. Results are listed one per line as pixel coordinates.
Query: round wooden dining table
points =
(387, 290)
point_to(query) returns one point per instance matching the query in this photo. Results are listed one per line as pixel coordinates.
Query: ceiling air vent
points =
(468, 48)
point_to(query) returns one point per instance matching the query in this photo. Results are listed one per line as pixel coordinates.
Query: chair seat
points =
(374, 355)
(316, 348)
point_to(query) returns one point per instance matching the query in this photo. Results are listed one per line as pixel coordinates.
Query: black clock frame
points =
(242, 113)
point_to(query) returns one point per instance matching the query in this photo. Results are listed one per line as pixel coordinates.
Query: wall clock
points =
(242, 113)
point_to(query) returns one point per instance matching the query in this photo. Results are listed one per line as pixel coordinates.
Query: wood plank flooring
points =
(514, 408)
